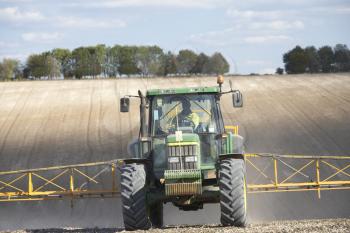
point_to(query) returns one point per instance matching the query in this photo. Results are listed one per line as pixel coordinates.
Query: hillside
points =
(46, 123)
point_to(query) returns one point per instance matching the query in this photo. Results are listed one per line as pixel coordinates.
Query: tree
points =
(127, 61)
(326, 55)
(43, 65)
(217, 64)
(295, 61)
(36, 65)
(156, 56)
(313, 60)
(64, 57)
(26, 72)
(198, 68)
(53, 67)
(149, 59)
(81, 62)
(119, 60)
(186, 60)
(112, 61)
(279, 71)
(98, 59)
(9, 69)
(89, 61)
(168, 64)
(342, 58)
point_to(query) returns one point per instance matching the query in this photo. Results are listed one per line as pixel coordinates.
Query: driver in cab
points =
(186, 118)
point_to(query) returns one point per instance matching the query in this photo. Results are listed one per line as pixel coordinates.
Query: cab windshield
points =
(187, 113)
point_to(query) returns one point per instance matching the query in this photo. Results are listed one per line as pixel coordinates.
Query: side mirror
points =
(124, 104)
(237, 99)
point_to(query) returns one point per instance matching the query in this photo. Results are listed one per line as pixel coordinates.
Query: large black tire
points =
(156, 215)
(233, 192)
(133, 194)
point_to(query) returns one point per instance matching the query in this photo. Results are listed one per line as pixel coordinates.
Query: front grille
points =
(182, 183)
(182, 189)
(182, 157)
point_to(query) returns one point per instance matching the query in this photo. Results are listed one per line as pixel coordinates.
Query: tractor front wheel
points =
(233, 192)
(133, 195)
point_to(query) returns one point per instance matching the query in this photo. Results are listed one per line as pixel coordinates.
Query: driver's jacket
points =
(192, 117)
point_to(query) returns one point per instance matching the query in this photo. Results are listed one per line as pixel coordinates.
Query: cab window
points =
(189, 113)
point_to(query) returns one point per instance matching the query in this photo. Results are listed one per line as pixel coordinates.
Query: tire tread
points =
(232, 196)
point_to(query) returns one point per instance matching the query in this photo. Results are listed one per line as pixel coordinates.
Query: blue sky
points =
(252, 34)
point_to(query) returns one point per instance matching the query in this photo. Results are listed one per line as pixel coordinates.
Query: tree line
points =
(116, 61)
(312, 60)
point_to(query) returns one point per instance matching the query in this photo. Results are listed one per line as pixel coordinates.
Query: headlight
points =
(174, 160)
(190, 159)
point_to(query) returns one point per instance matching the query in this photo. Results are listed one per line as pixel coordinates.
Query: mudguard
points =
(134, 160)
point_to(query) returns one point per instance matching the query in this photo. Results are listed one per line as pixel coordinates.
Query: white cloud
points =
(216, 38)
(343, 10)
(41, 37)
(73, 22)
(252, 14)
(154, 3)
(234, 36)
(266, 39)
(14, 14)
(231, 36)
(12, 1)
(266, 20)
(194, 3)
(330, 10)
(6, 45)
(18, 56)
(278, 25)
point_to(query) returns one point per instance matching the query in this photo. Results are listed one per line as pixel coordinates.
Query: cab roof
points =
(183, 90)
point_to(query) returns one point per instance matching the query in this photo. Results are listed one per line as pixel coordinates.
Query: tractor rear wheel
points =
(233, 192)
(133, 195)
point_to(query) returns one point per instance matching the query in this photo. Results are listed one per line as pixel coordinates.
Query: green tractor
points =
(184, 156)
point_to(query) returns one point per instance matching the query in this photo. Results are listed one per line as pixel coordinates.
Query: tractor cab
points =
(185, 113)
(184, 125)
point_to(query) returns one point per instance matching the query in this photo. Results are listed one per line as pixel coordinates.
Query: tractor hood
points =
(186, 138)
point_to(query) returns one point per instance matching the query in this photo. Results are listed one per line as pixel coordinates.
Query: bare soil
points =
(304, 226)
(48, 123)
